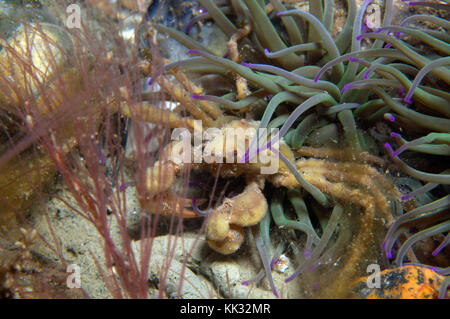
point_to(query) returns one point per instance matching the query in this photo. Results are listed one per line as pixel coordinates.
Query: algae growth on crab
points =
(224, 149)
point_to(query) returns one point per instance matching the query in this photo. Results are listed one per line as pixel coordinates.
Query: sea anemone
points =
(291, 58)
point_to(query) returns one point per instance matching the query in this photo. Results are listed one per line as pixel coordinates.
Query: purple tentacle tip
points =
(245, 283)
(395, 135)
(192, 51)
(196, 96)
(246, 64)
(266, 51)
(345, 88)
(307, 254)
(281, 13)
(440, 247)
(406, 100)
(352, 59)
(359, 37)
(390, 117)
(387, 46)
(388, 252)
(388, 147)
(150, 81)
(405, 197)
(272, 263)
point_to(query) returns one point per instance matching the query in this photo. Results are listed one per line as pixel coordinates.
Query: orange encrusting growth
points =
(407, 282)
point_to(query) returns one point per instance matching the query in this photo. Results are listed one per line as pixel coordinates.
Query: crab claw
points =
(225, 222)
(159, 198)
(217, 227)
(231, 243)
(169, 203)
(248, 208)
(160, 178)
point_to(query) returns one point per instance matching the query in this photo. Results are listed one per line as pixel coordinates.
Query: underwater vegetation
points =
(60, 89)
(363, 113)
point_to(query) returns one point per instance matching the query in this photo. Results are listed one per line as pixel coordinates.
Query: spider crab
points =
(219, 153)
(329, 175)
(330, 172)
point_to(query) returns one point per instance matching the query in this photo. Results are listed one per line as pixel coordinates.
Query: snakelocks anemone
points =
(362, 106)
